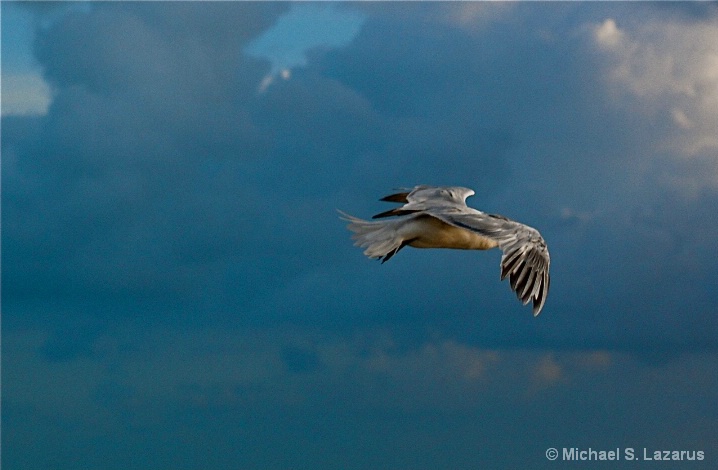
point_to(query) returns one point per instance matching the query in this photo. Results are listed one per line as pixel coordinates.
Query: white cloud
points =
(25, 95)
(607, 34)
(471, 17)
(269, 79)
(680, 119)
(669, 69)
(474, 16)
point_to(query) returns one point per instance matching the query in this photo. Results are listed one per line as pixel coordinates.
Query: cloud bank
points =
(161, 179)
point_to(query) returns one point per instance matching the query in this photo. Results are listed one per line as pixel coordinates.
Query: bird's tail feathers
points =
(379, 239)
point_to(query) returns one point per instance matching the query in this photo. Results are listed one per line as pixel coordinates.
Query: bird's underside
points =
(438, 217)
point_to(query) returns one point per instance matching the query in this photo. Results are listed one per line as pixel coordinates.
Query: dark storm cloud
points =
(147, 121)
(164, 180)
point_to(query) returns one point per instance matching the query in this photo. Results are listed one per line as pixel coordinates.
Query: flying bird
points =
(438, 217)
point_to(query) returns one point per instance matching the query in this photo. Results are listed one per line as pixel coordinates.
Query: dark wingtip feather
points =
(388, 256)
(504, 271)
(508, 263)
(398, 197)
(515, 273)
(392, 212)
(540, 298)
(388, 213)
(522, 282)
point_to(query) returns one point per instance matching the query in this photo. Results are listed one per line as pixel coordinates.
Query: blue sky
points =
(178, 291)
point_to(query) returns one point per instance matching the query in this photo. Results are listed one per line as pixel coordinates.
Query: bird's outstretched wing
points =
(525, 259)
(424, 197)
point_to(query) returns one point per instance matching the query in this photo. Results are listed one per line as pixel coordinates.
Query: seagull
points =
(438, 217)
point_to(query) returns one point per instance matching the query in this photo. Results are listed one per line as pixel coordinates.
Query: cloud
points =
(548, 372)
(267, 81)
(161, 181)
(219, 367)
(671, 73)
(24, 95)
(168, 382)
(118, 171)
(608, 35)
(468, 17)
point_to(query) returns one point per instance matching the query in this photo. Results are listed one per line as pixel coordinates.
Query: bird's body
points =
(438, 217)
(424, 231)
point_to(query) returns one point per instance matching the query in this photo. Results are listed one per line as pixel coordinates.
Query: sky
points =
(179, 292)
